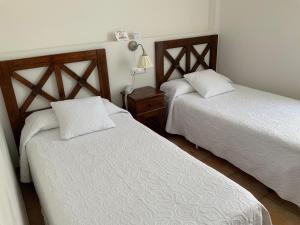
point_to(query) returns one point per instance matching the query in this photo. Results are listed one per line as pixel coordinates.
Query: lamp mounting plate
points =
(133, 45)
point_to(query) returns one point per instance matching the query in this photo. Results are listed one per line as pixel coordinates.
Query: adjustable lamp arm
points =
(133, 46)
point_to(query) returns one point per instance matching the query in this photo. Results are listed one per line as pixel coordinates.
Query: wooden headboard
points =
(55, 65)
(187, 46)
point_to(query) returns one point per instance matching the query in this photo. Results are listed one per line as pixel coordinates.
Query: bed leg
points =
(196, 146)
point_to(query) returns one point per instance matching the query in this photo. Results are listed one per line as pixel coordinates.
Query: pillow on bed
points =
(81, 116)
(46, 119)
(209, 83)
(177, 87)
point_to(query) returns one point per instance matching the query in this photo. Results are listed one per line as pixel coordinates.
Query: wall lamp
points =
(143, 64)
(144, 60)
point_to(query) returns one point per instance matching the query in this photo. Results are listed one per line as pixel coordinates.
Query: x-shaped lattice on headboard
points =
(36, 89)
(54, 64)
(187, 46)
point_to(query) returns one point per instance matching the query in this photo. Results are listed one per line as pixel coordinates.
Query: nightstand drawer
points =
(153, 119)
(150, 104)
(147, 105)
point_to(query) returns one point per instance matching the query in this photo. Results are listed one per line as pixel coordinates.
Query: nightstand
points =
(147, 105)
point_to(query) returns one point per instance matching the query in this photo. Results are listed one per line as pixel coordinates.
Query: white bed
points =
(257, 131)
(131, 175)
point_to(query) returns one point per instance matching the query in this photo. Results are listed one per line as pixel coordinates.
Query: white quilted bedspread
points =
(257, 131)
(129, 175)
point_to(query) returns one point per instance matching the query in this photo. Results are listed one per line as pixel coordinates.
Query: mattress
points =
(259, 132)
(130, 175)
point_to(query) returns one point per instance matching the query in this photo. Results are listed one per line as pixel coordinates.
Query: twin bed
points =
(258, 132)
(124, 175)
(119, 177)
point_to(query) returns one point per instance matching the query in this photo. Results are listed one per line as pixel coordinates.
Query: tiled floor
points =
(282, 212)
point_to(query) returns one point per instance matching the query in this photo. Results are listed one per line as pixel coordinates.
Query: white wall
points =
(260, 44)
(34, 24)
(12, 210)
(36, 27)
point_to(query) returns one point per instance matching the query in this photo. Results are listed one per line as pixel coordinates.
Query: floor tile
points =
(279, 213)
(32, 204)
(258, 189)
(221, 165)
(285, 204)
(190, 148)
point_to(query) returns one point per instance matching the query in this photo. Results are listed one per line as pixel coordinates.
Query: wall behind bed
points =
(12, 210)
(34, 27)
(260, 44)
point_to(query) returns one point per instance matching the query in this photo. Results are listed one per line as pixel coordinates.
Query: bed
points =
(254, 130)
(119, 177)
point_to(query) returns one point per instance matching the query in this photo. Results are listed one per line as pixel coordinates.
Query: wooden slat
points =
(103, 74)
(187, 43)
(200, 58)
(39, 85)
(29, 63)
(175, 63)
(213, 52)
(10, 101)
(59, 82)
(159, 64)
(69, 72)
(183, 42)
(82, 80)
(74, 57)
(31, 86)
(188, 59)
(42, 61)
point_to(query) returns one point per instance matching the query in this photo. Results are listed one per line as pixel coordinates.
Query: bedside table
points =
(147, 105)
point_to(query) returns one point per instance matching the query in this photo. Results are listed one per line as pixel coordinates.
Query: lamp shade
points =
(144, 62)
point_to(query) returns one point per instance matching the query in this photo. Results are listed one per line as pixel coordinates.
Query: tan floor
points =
(282, 212)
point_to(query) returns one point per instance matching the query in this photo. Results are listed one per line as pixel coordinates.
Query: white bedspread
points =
(257, 131)
(129, 175)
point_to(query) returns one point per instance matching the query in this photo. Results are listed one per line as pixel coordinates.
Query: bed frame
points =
(55, 64)
(187, 45)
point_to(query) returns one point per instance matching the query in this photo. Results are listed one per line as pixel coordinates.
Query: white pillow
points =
(177, 87)
(209, 83)
(46, 119)
(214, 73)
(81, 116)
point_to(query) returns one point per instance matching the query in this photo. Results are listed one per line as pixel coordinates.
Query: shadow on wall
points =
(12, 210)
(4, 122)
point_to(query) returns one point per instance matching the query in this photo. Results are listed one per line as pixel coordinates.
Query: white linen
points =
(36, 122)
(257, 131)
(45, 120)
(209, 83)
(130, 175)
(175, 88)
(81, 116)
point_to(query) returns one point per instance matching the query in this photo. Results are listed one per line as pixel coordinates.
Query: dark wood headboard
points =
(54, 65)
(187, 48)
